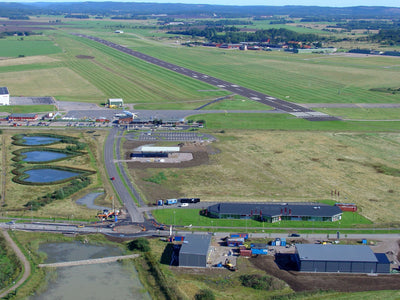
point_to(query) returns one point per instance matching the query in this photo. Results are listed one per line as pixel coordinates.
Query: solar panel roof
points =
(4, 91)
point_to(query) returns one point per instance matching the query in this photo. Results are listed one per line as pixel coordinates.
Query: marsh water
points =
(39, 140)
(42, 156)
(98, 281)
(48, 175)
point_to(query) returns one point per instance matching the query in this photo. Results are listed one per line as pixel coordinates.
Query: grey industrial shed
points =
(194, 250)
(340, 258)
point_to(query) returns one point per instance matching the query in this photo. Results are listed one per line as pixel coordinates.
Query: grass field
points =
(261, 165)
(185, 217)
(255, 121)
(363, 113)
(27, 47)
(22, 109)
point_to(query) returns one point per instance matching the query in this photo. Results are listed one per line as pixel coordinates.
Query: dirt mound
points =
(84, 57)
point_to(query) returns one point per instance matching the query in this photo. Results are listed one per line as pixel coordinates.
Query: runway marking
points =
(255, 98)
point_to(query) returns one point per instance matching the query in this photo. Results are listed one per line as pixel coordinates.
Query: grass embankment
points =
(23, 109)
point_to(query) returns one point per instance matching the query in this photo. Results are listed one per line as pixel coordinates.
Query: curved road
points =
(288, 107)
(24, 261)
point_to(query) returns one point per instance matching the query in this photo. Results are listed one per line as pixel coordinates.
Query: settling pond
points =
(38, 140)
(43, 156)
(48, 175)
(98, 281)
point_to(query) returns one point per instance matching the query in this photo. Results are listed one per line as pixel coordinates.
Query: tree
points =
(140, 244)
(205, 294)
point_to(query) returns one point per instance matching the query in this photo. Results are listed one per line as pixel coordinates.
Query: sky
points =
(330, 3)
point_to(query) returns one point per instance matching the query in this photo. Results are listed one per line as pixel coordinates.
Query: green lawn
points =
(23, 109)
(287, 122)
(15, 48)
(363, 113)
(185, 217)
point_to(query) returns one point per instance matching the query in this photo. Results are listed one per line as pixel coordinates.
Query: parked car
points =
(294, 235)
(183, 205)
(10, 223)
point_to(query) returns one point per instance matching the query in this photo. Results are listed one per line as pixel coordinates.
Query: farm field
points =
(261, 166)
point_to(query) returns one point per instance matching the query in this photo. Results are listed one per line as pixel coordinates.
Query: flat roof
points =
(4, 91)
(276, 209)
(157, 149)
(196, 244)
(342, 253)
(31, 115)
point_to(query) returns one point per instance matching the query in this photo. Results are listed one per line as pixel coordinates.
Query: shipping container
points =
(235, 242)
(239, 235)
(246, 253)
(171, 201)
(179, 238)
(256, 251)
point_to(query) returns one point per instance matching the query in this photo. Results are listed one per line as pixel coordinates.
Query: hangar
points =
(153, 151)
(195, 250)
(4, 96)
(275, 212)
(115, 102)
(340, 258)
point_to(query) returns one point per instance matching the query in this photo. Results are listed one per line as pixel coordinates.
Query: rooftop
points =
(276, 209)
(4, 91)
(342, 253)
(196, 244)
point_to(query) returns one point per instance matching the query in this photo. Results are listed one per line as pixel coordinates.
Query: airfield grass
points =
(22, 109)
(12, 47)
(363, 113)
(259, 165)
(303, 78)
(237, 103)
(255, 121)
(17, 194)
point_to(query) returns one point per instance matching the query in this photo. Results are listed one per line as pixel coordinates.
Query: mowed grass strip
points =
(188, 216)
(22, 109)
(15, 48)
(363, 113)
(305, 78)
(267, 121)
(122, 75)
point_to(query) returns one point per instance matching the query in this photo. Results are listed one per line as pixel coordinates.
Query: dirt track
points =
(320, 281)
(22, 258)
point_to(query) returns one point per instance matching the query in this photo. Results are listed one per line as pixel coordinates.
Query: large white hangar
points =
(4, 96)
(340, 258)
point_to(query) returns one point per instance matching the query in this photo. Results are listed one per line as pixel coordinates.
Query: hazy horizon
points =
(335, 3)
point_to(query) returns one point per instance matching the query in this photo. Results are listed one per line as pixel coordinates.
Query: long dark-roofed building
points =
(275, 212)
(340, 258)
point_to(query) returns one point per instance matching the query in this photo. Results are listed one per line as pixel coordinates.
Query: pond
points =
(38, 140)
(42, 156)
(48, 175)
(98, 281)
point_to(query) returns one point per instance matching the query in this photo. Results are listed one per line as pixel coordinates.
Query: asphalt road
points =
(119, 186)
(288, 107)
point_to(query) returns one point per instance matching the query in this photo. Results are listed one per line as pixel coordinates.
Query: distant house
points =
(4, 96)
(275, 212)
(118, 31)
